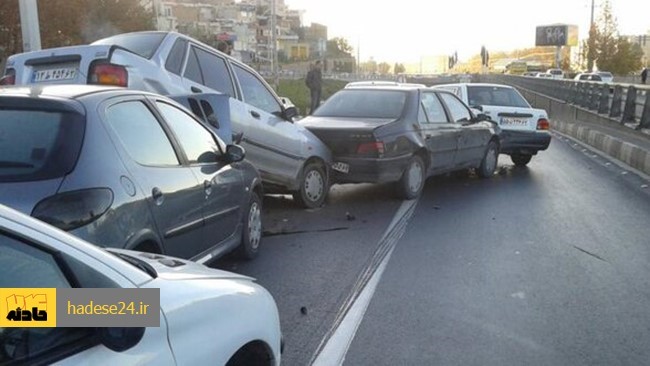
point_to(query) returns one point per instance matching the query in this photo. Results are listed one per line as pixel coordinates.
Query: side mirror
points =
(120, 339)
(290, 113)
(235, 153)
(213, 121)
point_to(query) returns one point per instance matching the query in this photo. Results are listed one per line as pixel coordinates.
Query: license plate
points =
(341, 167)
(510, 121)
(64, 73)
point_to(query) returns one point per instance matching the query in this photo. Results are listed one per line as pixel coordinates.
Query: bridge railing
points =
(627, 104)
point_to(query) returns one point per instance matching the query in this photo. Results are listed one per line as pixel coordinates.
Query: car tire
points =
(521, 159)
(313, 186)
(490, 160)
(412, 182)
(251, 229)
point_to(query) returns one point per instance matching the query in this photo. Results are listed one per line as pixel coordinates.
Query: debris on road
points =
(303, 310)
(349, 216)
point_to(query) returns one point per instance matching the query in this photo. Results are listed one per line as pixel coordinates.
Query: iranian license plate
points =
(511, 121)
(64, 73)
(341, 167)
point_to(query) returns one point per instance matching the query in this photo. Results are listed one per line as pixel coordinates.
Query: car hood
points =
(23, 196)
(176, 269)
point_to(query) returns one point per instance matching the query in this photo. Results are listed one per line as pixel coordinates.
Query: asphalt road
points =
(546, 265)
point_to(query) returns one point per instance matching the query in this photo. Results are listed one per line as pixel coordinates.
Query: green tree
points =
(383, 68)
(339, 47)
(10, 41)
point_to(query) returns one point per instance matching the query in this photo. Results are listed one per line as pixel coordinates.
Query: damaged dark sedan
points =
(403, 135)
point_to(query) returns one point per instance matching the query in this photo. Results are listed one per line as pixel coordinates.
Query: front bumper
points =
(371, 170)
(524, 142)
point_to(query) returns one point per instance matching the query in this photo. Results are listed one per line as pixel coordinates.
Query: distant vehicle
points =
(393, 134)
(544, 75)
(517, 68)
(530, 74)
(234, 318)
(290, 158)
(555, 73)
(127, 169)
(588, 76)
(524, 129)
(606, 76)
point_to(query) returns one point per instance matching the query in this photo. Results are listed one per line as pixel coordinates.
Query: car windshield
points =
(142, 44)
(364, 103)
(495, 95)
(38, 144)
(605, 74)
(555, 72)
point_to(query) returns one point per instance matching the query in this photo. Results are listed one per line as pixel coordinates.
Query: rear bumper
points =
(524, 142)
(371, 170)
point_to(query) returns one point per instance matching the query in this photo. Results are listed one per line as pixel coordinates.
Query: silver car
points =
(290, 158)
(126, 169)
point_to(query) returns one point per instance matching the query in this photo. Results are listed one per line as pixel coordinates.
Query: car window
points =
(459, 112)
(198, 143)
(141, 134)
(193, 70)
(175, 58)
(214, 71)
(433, 108)
(38, 144)
(142, 44)
(255, 92)
(25, 266)
(364, 103)
(495, 95)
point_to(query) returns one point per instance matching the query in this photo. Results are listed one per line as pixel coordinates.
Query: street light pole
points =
(274, 48)
(29, 25)
(591, 42)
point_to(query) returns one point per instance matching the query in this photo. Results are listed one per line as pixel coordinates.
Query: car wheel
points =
(313, 186)
(521, 159)
(252, 229)
(490, 161)
(412, 181)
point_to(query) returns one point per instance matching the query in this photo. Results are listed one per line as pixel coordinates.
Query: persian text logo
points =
(27, 307)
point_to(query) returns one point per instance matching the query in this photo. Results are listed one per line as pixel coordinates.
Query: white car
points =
(207, 316)
(555, 73)
(588, 76)
(524, 129)
(606, 76)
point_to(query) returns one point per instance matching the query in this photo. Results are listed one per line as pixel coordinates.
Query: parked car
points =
(207, 316)
(126, 169)
(524, 129)
(544, 75)
(588, 76)
(555, 73)
(402, 135)
(290, 159)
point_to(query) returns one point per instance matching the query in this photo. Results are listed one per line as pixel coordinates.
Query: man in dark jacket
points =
(314, 82)
(644, 75)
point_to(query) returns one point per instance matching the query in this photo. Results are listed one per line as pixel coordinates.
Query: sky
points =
(410, 29)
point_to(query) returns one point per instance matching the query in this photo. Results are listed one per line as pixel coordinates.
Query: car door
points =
(223, 185)
(441, 136)
(27, 261)
(174, 195)
(274, 143)
(472, 139)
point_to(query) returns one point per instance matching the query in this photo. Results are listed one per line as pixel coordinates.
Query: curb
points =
(628, 153)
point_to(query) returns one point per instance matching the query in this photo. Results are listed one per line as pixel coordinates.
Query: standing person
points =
(224, 47)
(644, 75)
(314, 82)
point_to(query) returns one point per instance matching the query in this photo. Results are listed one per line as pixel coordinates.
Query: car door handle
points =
(207, 186)
(255, 115)
(196, 90)
(157, 196)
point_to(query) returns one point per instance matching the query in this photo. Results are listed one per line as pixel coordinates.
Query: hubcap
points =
(254, 226)
(314, 185)
(415, 177)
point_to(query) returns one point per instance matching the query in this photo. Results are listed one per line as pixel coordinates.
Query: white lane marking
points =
(336, 348)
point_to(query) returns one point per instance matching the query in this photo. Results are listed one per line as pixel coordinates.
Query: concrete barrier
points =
(587, 126)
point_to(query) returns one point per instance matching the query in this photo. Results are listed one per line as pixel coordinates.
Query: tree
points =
(339, 47)
(383, 68)
(10, 40)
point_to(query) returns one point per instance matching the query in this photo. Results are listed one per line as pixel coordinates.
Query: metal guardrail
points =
(626, 103)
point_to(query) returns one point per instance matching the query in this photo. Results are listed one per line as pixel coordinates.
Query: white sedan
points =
(207, 316)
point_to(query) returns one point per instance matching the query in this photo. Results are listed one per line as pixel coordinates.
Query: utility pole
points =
(29, 25)
(274, 48)
(591, 42)
(358, 57)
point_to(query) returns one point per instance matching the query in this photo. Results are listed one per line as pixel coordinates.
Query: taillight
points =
(71, 210)
(9, 78)
(543, 124)
(368, 148)
(108, 74)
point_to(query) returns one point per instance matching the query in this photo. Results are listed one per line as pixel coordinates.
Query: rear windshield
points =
(142, 44)
(38, 144)
(555, 72)
(606, 74)
(495, 95)
(364, 103)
